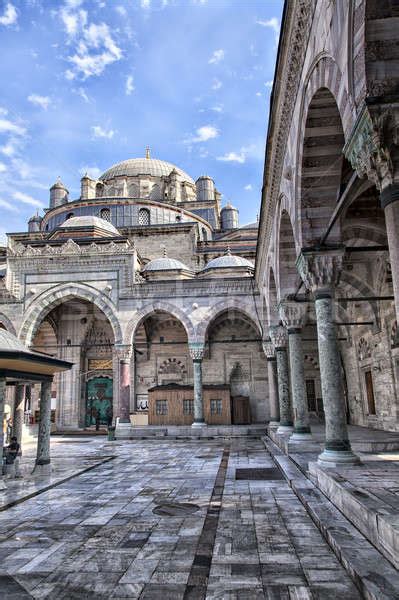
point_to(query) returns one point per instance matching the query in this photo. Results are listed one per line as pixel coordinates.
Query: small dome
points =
(228, 261)
(165, 264)
(144, 166)
(58, 184)
(229, 207)
(8, 341)
(90, 221)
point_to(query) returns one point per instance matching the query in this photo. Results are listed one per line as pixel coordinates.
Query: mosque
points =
(143, 282)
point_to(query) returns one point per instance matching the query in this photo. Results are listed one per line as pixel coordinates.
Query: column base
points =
(301, 437)
(198, 424)
(285, 429)
(42, 469)
(337, 458)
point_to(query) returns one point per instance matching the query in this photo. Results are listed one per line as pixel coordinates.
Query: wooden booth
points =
(173, 404)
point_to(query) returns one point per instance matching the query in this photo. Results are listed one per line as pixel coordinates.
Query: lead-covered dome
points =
(165, 264)
(90, 221)
(134, 167)
(228, 261)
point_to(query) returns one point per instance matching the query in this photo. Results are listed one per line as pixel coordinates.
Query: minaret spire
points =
(147, 152)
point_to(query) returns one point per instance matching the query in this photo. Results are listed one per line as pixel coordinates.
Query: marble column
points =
(293, 316)
(274, 407)
(43, 439)
(320, 271)
(278, 336)
(197, 354)
(390, 203)
(124, 356)
(2, 402)
(18, 417)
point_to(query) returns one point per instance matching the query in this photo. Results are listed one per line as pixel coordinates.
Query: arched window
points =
(105, 214)
(204, 234)
(144, 216)
(69, 216)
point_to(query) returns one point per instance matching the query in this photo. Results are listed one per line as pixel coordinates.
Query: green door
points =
(99, 401)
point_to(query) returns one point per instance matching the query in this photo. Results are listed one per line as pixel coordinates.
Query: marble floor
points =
(169, 520)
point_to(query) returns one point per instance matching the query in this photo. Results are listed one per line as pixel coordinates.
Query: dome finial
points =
(228, 251)
(164, 252)
(147, 152)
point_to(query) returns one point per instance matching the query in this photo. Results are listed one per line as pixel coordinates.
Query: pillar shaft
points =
(284, 388)
(298, 386)
(43, 439)
(331, 377)
(273, 390)
(390, 204)
(198, 400)
(2, 401)
(124, 390)
(18, 420)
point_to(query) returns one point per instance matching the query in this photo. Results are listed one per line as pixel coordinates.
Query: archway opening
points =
(288, 275)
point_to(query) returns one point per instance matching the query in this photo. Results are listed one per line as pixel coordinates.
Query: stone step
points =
(374, 575)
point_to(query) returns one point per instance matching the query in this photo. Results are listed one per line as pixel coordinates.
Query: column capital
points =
(268, 349)
(279, 337)
(196, 350)
(320, 270)
(369, 147)
(123, 351)
(293, 314)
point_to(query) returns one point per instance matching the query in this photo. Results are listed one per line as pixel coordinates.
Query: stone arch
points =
(7, 324)
(155, 307)
(224, 306)
(60, 294)
(287, 274)
(326, 117)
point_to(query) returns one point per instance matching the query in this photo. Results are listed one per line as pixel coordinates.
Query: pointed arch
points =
(59, 294)
(223, 306)
(155, 307)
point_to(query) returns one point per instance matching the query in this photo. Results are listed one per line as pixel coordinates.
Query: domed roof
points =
(229, 206)
(90, 221)
(8, 341)
(228, 261)
(254, 225)
(143, 166)
(165, 264)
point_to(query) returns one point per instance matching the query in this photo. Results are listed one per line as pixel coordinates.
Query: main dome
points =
(144, 166)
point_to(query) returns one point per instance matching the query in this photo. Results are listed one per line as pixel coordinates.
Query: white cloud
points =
(145, 4)
(7, 126)
(204, 133)
(99, 132)
(273, 24)
(8, 206)
(121, 10)
(94, 46)
(9, 16)
(216, 84)
(218, 108)
(26, 199)
(42, 101)
(129, 85)
(238, 157)
(248, 187)
(93, 172)
(258, 94)
(216, 57)
(269, 84)
(82, 93)
(3, 167)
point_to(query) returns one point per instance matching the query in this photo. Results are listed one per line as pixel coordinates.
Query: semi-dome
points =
(165, 264)
(144, 166)
(228, 261)
(90, 221)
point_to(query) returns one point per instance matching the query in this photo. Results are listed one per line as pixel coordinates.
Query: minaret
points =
(147, 152)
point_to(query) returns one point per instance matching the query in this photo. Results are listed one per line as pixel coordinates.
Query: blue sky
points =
(86, 84)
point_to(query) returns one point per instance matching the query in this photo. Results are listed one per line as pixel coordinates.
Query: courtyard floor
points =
(171, 519)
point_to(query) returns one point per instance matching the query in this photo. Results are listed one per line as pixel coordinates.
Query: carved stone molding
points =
(369, 148)
(70, 248)
(268, 349)
(278, 336)
(320, 270)
(293, 314)
(196, 351)
(123, 351)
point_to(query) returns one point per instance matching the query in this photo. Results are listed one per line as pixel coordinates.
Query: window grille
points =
(144, 216)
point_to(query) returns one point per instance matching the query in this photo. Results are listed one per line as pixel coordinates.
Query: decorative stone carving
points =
(320, 270)
(123, 351)
(369, 147)
(268, 349)
(196, 350)
(278, 336)
(293, 314)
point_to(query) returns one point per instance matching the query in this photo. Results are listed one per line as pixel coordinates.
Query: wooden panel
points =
(241, 410)
(175, 404)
